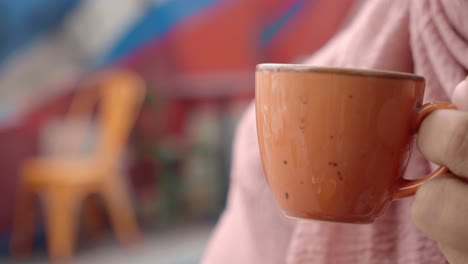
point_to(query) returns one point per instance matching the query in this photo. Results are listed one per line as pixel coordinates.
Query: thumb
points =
(460, 95)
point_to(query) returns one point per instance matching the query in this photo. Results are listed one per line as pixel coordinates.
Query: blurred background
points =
(197, 59)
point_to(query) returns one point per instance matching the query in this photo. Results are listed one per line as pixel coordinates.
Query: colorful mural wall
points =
(198, 58)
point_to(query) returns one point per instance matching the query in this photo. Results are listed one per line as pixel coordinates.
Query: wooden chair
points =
(64, 182)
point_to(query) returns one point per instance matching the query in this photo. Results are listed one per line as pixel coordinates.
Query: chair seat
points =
(61, 171)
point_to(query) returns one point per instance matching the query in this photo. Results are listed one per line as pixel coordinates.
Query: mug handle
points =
(408, 187)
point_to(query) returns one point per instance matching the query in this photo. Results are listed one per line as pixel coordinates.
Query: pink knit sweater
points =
(427, 37)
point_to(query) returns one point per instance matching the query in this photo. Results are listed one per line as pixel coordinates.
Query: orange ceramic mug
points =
(335, 142)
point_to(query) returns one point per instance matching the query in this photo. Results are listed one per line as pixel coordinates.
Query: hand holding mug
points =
(440, 208)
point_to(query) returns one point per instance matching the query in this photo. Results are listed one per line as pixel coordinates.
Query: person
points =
(428, 38)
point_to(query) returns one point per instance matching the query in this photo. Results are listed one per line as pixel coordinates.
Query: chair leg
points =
(24, 223)
(123, 220)
(61, 207)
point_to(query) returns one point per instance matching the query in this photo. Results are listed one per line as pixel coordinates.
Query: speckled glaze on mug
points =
(335, 142)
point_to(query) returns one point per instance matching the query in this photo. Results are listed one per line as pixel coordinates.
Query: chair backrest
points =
(119, 94)
(122, 93)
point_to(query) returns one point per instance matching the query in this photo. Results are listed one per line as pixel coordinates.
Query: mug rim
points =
(291, 67)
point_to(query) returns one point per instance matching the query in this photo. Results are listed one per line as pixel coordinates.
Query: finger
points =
(443, 139)
(460, 95)
(440, 209)
(454, 256)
